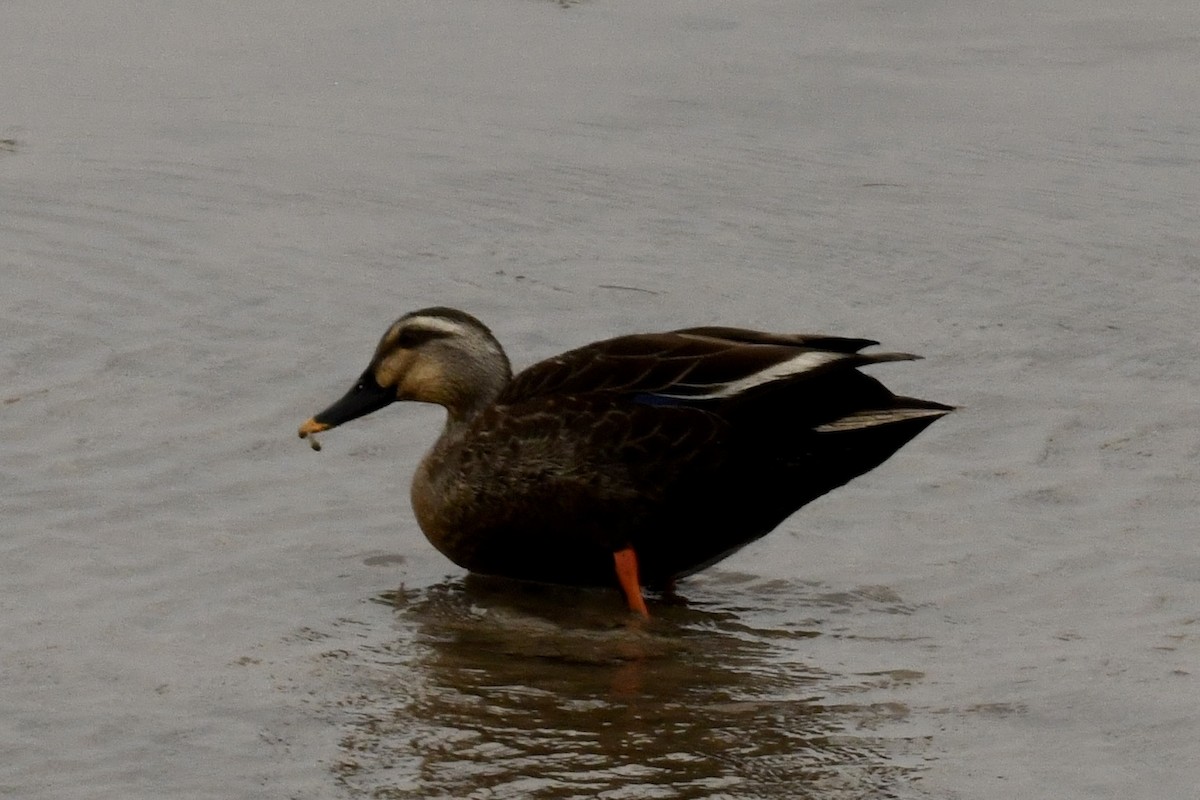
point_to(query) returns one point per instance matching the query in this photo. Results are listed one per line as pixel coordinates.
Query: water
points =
(210, 212)
(547, 693)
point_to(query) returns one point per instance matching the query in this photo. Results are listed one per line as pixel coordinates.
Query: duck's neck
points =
(437, 489)
(472, 386)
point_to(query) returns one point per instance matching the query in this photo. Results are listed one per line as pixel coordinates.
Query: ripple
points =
(500, 690)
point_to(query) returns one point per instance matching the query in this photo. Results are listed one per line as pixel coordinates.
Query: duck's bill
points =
(310, 426)
(366, 396)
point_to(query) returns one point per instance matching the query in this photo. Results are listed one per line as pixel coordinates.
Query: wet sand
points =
(209, 213)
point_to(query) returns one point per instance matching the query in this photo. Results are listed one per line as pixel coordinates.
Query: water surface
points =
(209, 213)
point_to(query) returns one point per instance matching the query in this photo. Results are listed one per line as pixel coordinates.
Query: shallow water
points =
(209, 212)
(543, 691)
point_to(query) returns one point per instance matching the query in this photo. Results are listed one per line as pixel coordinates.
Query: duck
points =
(633, 461)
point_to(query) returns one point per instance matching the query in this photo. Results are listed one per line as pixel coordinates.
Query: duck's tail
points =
(905, 409)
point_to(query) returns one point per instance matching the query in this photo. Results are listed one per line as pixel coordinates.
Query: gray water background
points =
(209, 211)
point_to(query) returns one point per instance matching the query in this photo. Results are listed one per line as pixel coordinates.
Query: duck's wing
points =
(691, 366)
(688, 444)
(816, 341)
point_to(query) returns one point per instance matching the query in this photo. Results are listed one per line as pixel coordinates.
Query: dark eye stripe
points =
(415, 336)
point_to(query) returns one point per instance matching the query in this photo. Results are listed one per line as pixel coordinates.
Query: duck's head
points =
(435, 355)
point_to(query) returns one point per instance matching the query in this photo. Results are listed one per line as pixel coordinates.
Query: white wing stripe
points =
(796, 365)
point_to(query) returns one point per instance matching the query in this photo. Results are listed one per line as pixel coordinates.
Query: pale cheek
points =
(422, 382)
(393, 369)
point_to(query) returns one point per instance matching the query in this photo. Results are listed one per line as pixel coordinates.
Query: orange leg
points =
(627, 574)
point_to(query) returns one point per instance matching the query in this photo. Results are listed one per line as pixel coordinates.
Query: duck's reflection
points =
(495, 689)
